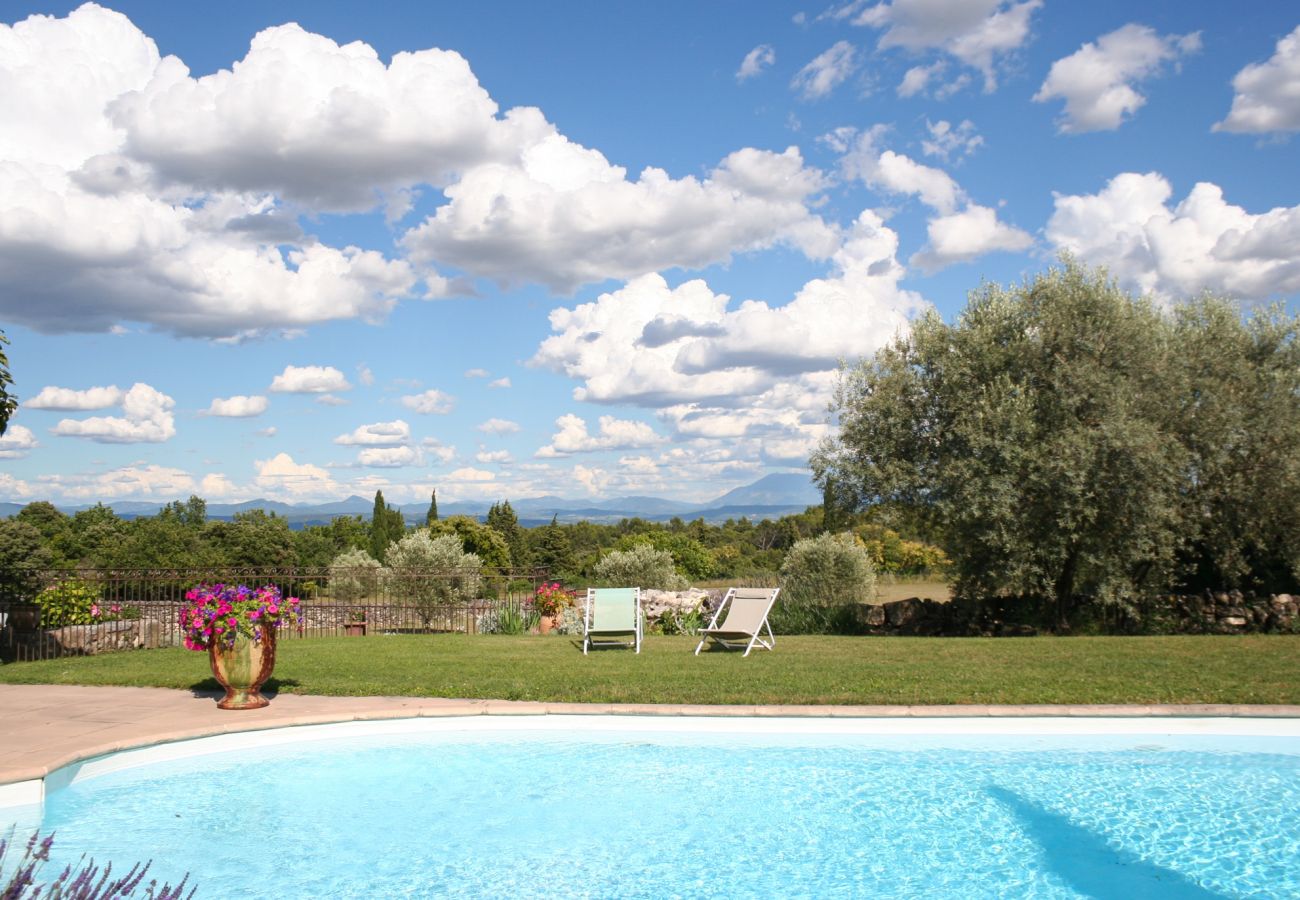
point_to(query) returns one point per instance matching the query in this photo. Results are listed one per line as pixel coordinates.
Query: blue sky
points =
(305, 250)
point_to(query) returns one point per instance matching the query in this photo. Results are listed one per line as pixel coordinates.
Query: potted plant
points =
(355, 626)
(549, 602)
(236, 625)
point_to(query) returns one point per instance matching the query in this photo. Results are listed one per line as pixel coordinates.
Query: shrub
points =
(691, 559)
(355, 574)
(642, 566)
(74, 602)
(823, 580)
(85, 882)
(508, 618)
(431, 572)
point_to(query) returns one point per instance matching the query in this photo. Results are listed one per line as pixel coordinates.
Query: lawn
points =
(802, 670)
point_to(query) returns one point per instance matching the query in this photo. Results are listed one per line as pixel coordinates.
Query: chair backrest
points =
(748, 609)
(612, 609)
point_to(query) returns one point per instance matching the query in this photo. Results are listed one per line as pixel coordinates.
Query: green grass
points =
(802, 670)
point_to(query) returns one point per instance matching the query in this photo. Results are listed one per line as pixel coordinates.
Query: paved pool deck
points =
(46, 727)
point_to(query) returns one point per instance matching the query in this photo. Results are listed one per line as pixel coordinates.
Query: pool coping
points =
(50, 727)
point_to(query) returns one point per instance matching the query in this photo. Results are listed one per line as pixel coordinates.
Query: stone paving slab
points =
(45, 727)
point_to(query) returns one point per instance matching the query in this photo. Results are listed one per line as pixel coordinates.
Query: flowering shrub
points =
(551, 598)
(217, 613)
(86, 882)
(75, 602)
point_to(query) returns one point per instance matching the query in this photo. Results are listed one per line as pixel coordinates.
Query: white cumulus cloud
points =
(979, 33)
(67, 399)
(1266, 95)
(146, 418)
(379, 434)
(238, 406)
(615, 434)
(498, 426)
(563, 216)
(309, 380)
(388, 457)
(281, 477)
(967, 235)
(17, 442)
(430, 402)
(1097, 81)
(1203, 243)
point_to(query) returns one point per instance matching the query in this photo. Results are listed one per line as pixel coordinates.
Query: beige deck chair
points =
(613, 618)
(746, 610)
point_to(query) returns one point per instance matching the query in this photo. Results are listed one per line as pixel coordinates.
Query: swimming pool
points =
(626, 807)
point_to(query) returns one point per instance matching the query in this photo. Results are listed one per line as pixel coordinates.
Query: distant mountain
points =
(781, 489)
(770, 497)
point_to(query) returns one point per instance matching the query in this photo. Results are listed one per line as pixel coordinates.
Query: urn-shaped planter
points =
(243, 669)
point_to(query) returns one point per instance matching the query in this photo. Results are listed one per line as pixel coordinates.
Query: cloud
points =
(720, 356)
(976, 32)
(962, 230)
(498, 426)
(51, 397)
(827, 71)
(439, 451)
(17, 442)
(471, 475)
(134, 481)
(379, 434)
(364, 375)
(147, 418)
(280, 476)
(238, 407)
(503, 382)
(1097, 81)
(492, 456)
(309, 380)
(268, 432)
(755, 62)
(967, 235)
(429, 403)
(615, 434)
(1203, 243)
(388, 457)
(1266, 95)
(477, 373)
(947, 141)
(563, 216)
(331, 400)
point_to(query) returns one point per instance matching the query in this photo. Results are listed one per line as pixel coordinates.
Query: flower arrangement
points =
(551, 598)
(216, 613)
(356, 617)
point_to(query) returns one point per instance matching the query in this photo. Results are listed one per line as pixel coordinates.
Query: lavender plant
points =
(86, 882)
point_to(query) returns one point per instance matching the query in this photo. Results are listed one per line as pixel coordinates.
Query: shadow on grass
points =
(209, 687)
(1090, 865)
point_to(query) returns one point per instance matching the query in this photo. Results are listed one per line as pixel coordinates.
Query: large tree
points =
(1037, 429)
(386, 526)
(8, 402)
(501, 518)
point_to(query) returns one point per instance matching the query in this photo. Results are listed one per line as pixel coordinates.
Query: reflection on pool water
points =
(621, 809)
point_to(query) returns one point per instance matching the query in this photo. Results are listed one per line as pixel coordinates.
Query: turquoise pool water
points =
(641, 814)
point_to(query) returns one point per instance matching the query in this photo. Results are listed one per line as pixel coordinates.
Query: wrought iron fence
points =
(46, 614)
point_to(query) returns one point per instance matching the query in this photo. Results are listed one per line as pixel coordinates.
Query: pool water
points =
(641, 814)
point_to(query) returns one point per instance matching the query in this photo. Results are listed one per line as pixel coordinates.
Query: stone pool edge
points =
(51, 727)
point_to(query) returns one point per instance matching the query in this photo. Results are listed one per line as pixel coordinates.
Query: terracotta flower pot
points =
(546, 623)
(354, 629)
(243, 669)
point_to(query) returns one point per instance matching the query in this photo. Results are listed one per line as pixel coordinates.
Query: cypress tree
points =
(432, 515)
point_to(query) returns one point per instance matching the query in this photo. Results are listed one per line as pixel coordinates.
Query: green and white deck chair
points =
(746, 610)
(613, 618)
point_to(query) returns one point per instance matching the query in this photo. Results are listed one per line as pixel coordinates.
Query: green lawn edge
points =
(1254, 669)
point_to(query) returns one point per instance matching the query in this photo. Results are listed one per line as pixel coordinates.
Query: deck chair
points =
(746, 610)
(612, 618)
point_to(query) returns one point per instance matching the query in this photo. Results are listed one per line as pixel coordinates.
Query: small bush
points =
(642, 566)
(84, 882)
(823, 580)
(430, 572)
(74, 602)
(354, 575)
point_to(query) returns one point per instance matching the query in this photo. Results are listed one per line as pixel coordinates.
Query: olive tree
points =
(354, 575)
(1037, 429)
(429, 572)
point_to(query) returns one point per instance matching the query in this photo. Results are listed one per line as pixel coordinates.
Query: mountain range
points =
(770, 497)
